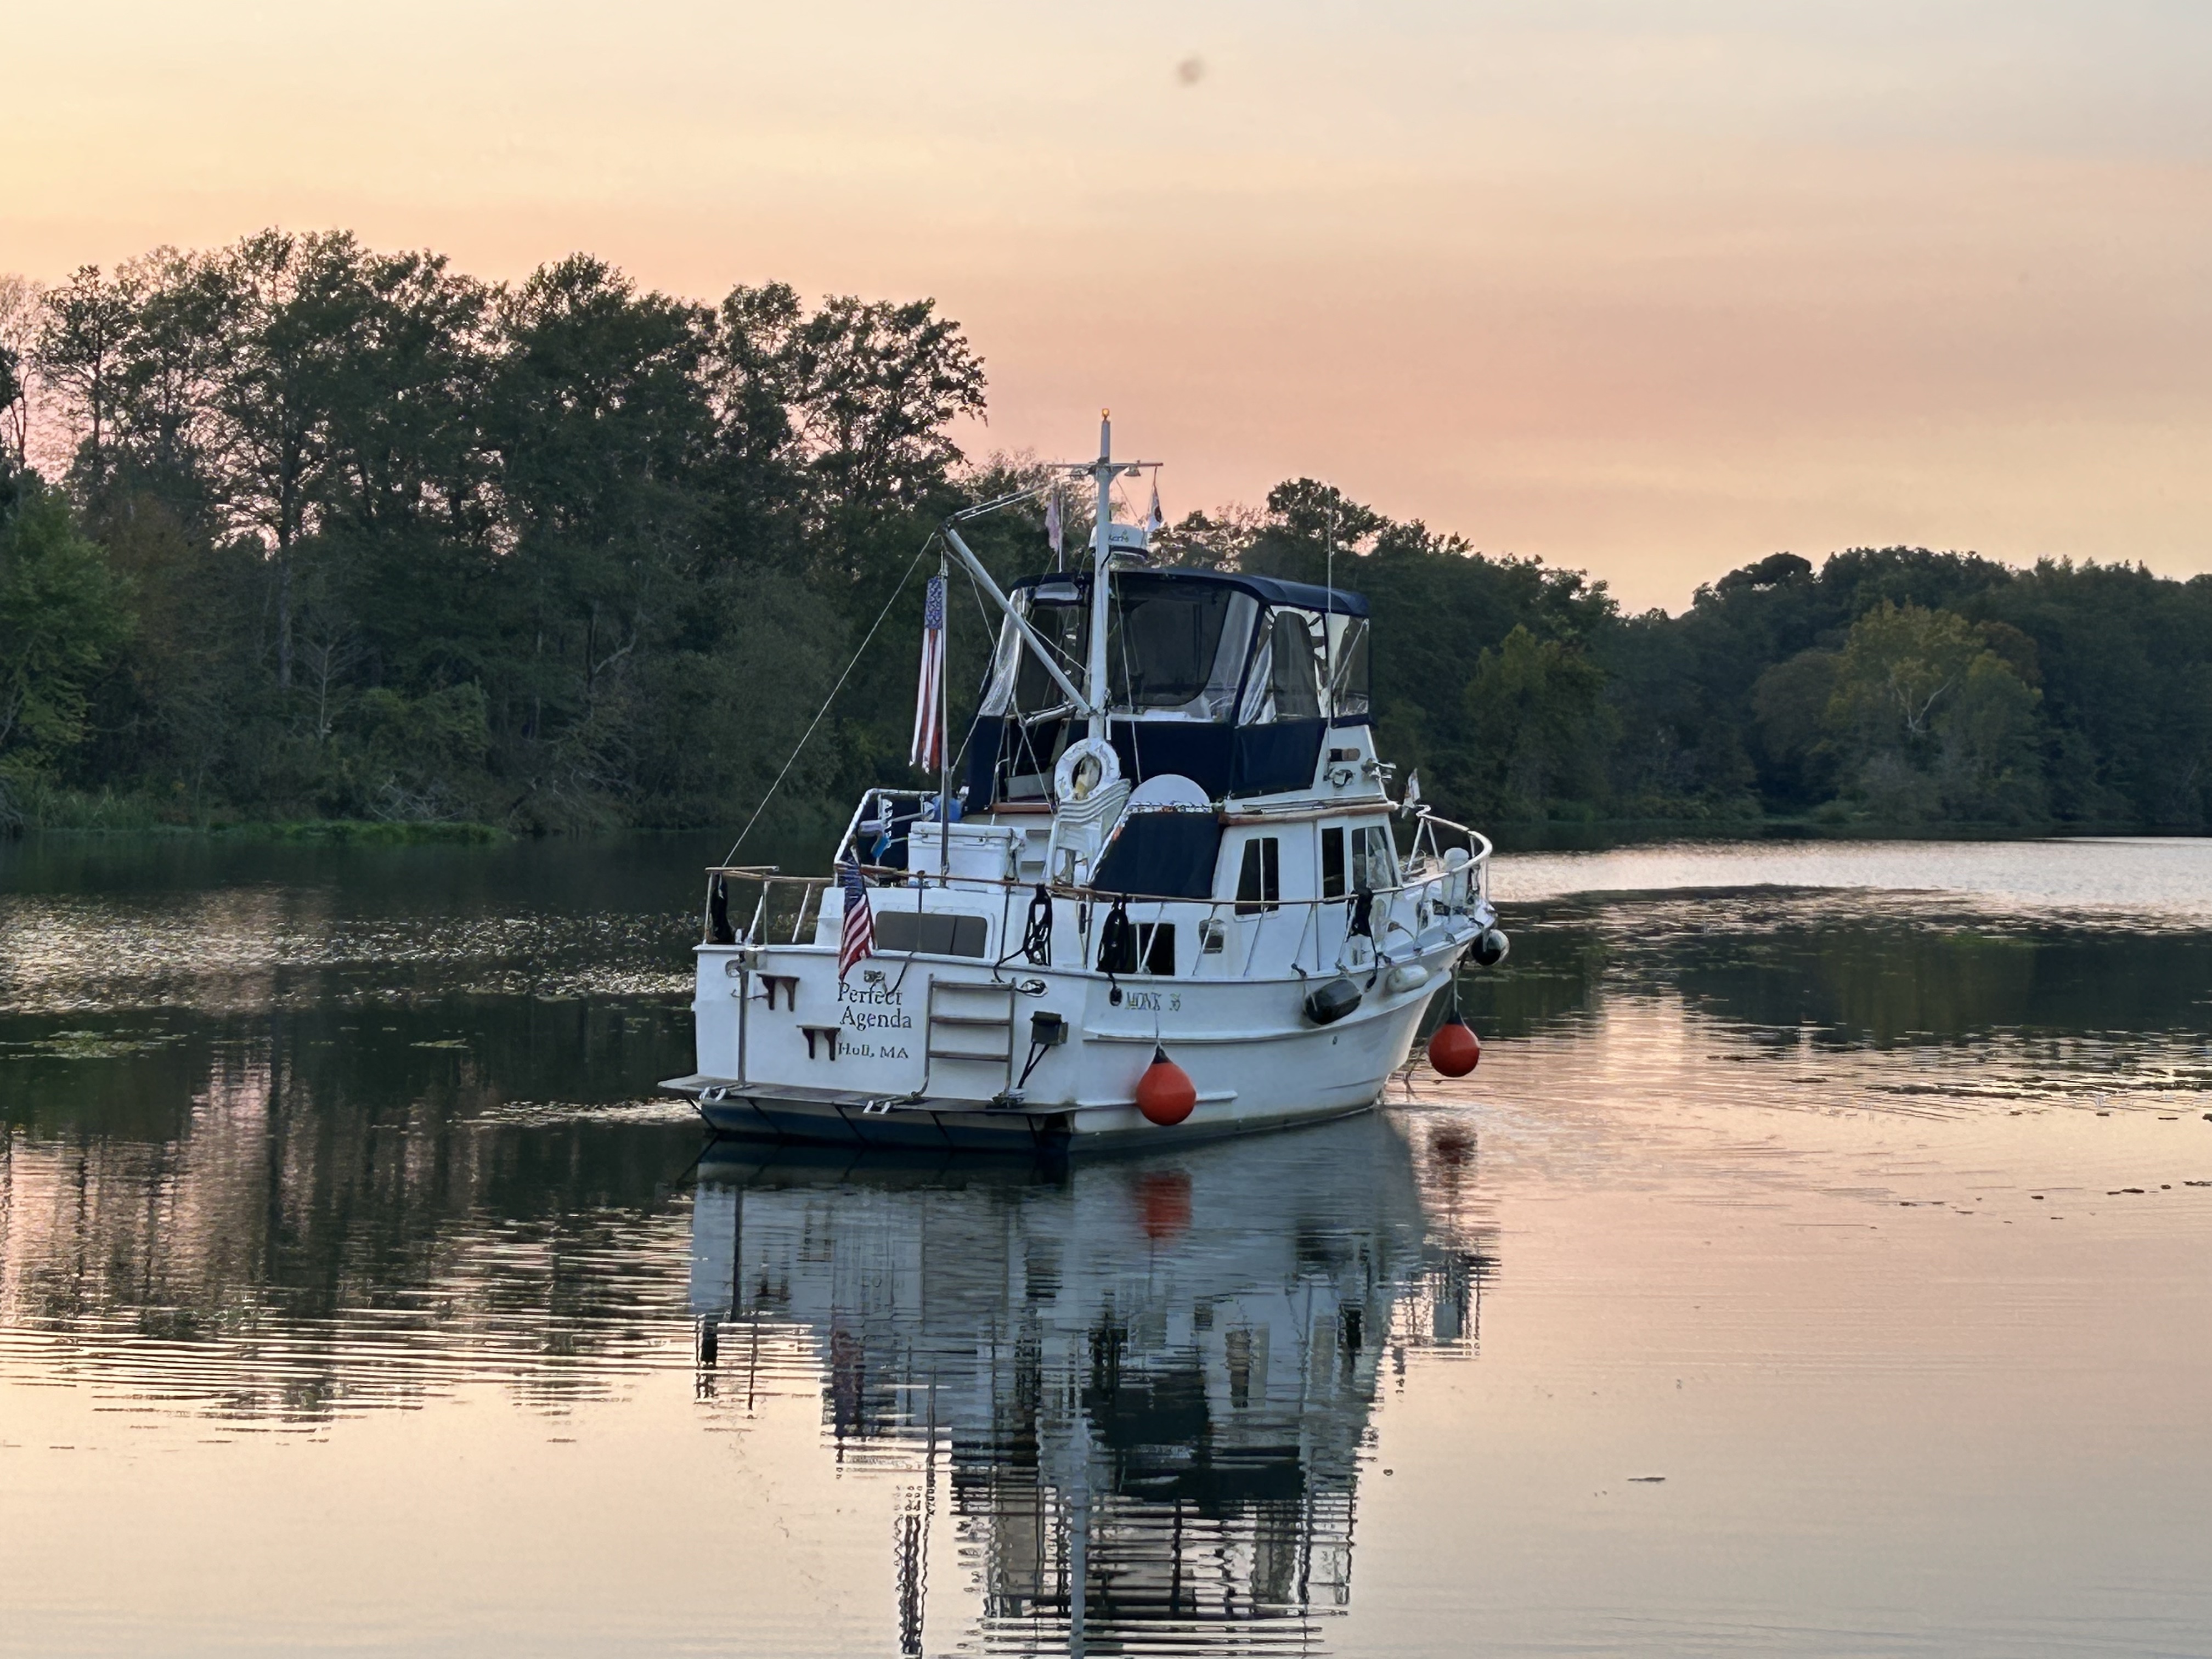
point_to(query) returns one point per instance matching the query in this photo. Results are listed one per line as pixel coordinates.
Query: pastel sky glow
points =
(1652, 290)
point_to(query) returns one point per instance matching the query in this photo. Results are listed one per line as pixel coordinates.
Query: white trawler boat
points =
(1167, 902)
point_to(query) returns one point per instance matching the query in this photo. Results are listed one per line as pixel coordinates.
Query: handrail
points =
(1481, 848)
(1063, 890)
(1255, 817)
(1418, 872)
(870, 795)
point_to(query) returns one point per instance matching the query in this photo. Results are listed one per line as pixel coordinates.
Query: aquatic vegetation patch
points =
(89, 1045)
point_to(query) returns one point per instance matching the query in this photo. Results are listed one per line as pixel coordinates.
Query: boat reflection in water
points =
(1148, 1382)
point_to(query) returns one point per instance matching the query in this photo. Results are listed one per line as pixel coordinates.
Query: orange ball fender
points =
(1166, 1093)
(1454, 1048)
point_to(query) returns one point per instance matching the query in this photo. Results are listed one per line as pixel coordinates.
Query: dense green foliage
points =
(347, 535)
(1894, 686)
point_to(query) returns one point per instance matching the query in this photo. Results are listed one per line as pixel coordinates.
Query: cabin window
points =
(933, 933)
(1156, 948)
(1260, 882)
(1373, 865)
(1332, 862)
(1148, 947)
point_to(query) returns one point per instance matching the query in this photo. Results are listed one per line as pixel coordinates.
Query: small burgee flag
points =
(859, 938)
(928, 751)
(1155, 522)
(1054, 531)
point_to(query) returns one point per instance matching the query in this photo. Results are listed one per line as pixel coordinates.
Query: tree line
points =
(1890, 686)
(299, 529)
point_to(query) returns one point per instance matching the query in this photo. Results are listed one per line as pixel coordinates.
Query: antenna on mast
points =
(1328, 615)
(1101, 546)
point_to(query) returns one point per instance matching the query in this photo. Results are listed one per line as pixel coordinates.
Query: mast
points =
(1091, 700)
(1094, 683)
(1328, 622)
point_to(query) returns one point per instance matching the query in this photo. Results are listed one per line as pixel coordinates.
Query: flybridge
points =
(1183, 603)
(1234, 681)
(1167, 898)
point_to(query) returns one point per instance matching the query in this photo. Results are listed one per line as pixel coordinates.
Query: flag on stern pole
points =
(859, 938)
(928, 751)
(1155, 522)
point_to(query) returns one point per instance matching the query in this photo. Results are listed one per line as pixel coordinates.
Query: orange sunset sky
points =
(1650, 290)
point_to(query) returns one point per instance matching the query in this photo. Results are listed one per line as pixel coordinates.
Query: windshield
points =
(1347, 652)
(1019, 682)
(1284, 683)
(1175, 649)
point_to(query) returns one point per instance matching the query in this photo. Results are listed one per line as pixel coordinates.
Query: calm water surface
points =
(1820, 1262)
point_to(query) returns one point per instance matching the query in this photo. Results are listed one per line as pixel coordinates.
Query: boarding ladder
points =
(971, 1036)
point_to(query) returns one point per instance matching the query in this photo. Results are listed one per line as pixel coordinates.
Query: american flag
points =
(928, 751)
(859, 936)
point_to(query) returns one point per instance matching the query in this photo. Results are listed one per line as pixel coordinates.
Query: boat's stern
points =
(782, 1017)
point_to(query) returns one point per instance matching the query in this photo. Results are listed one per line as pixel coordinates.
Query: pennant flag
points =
(859, 938)
(1155, 522)
(928, 750)
(1054, 531)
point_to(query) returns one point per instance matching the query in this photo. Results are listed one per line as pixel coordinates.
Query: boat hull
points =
(831, 1119)
(1247, 1080)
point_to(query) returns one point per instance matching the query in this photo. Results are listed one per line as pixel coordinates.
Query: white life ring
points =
(1084, 769)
